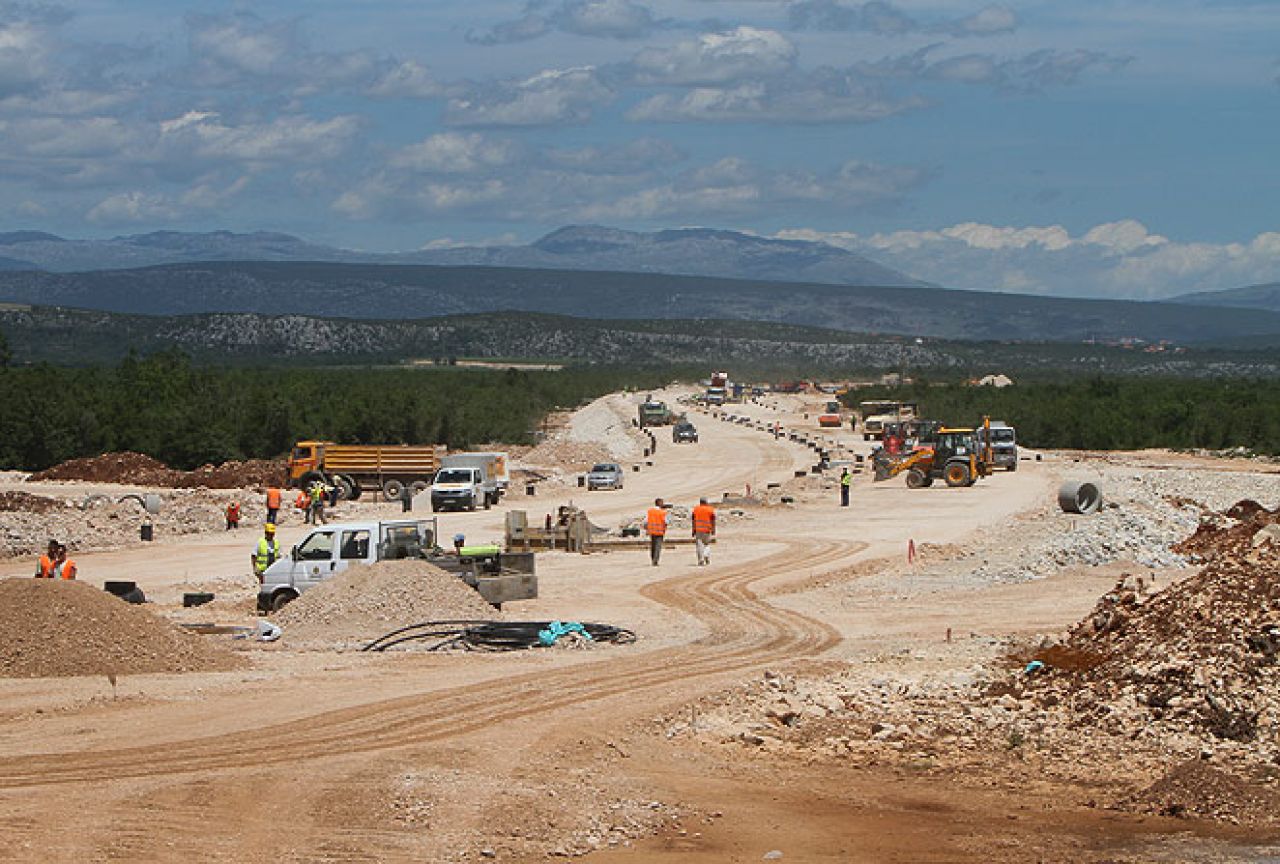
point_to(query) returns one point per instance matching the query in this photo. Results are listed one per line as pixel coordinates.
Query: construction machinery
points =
(876, 413)
(956, 455)
(833, 416)
(655, 413)
(353, 468)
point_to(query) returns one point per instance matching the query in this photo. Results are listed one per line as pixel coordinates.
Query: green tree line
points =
(164, 406)
(1111, 413)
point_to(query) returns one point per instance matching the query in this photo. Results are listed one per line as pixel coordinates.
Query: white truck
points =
(330, 549)
(468, 480)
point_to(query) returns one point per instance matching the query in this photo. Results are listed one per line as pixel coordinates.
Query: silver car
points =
(604, 475)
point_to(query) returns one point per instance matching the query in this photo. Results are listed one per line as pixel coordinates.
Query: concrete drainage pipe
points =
(1077, 496)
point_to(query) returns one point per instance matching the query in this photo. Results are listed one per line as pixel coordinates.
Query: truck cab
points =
(331, 549)
(461, 487)
(1004, 444)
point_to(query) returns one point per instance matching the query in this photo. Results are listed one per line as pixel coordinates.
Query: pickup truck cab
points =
(605, 475)
(331, 549)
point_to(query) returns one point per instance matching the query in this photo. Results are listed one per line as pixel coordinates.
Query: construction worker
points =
(303, 503)
(846, 480)
(273, 505)
(268, 550)
(704, 528)
(64, 567)
(233, 515)
(655, 524)
(318, 496)
(48, 561)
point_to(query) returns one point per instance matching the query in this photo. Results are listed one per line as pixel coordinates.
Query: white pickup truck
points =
(468, 480)
(330, 549)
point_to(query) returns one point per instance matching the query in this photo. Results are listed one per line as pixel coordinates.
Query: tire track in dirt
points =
(744, 631)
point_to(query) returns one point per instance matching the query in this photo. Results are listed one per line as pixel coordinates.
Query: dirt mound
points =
(142, 470)
(1195, 789)
(366, 602)
(1198, 657)
(59, 629)
(24, 502)
(1242, 520)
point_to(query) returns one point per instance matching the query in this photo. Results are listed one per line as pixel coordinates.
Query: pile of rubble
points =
(1186, 676)
(137, 469)
(51, 628)
(365, 602)
(25, 502)
(100, 522)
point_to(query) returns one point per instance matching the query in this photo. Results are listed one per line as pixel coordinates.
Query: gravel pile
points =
(138, 469)
(1145, 515)
(59, 629)
(601, 432)
(368, 601)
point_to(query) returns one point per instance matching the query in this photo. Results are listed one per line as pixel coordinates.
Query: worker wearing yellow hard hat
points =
(268, 551)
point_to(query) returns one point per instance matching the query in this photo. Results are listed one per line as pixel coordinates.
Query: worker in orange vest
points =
(655, 524)
(303, 503)
(64, 568)
(704, 528)
(233, 515)
(273, 505)
(48, 561)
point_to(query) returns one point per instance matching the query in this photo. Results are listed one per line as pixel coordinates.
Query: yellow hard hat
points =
(270, 528)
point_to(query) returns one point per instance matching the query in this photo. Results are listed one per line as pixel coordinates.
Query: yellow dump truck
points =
(354, 468)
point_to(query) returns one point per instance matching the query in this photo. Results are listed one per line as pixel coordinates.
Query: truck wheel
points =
(419, 486)
(916, 479)
(346, 489)
(281, 599)
(488, 501)
(392, 490)
(1013, 466)
(956, 474)
(866, 437)
(471, 504)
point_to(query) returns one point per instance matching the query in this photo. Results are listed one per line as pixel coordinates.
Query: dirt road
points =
(316, 756)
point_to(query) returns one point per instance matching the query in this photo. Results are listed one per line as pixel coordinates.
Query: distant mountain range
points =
(1250, 297)
(689, 252)
(376, 291)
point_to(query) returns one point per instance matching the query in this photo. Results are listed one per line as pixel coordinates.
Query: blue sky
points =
(1090, 148)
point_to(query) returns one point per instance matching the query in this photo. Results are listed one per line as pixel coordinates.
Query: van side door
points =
(314, 559)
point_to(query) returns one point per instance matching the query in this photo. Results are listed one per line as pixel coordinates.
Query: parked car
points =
(605, 475)
(684, 431)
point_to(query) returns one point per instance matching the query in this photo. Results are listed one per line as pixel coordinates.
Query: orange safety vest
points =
(656, 522)
(233, 512)
(704, 519)
(46, 568)
(301, 501)
(273, 499)
(68, 569)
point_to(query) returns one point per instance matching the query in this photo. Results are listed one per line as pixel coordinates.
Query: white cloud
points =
(554, 96)
(613, 19)
(132, 207)
(454, 153)
(406, 80)
(824, 96)
(285, 139)
(1120, 259)
(716, 58)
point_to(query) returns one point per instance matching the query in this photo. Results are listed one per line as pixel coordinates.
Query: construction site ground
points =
(708, 739)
